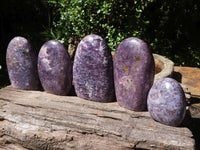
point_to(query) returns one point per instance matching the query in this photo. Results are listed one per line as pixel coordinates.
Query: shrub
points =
(169, 27)
(114, 20)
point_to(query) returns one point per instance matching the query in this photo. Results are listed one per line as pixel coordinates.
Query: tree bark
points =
(39, 120)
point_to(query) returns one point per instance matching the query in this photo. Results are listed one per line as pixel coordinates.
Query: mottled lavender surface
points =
(22, 65)
(55, 68)
(93, 70)
(166, 102)
(133, 73)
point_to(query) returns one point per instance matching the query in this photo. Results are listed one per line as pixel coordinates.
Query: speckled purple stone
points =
(167, 102)
(55, 68)
(22, 65)
(133, 73)
(93, 70)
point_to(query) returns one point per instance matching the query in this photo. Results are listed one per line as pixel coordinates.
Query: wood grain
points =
(39, 120)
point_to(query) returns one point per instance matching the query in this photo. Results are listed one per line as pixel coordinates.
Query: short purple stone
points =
(55, 68)
(93, 70)
(167, 102)
(22, 64)
(133, 73)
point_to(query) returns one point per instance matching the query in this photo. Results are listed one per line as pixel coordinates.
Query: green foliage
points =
(114, 20)
(174, 32)
(171, 28)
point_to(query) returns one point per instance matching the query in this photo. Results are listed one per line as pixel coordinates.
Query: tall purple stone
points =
(22, 65)
(133, 73)
(93, 70)
(55, 68)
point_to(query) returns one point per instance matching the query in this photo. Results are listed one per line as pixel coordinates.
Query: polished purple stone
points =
(133, 73)
(55, 68)
(167, 102)
(22, 64)
(93, 70)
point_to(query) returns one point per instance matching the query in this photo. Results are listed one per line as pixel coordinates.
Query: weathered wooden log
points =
(38, 120)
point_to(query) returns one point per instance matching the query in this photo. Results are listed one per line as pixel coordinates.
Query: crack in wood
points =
(104, 116)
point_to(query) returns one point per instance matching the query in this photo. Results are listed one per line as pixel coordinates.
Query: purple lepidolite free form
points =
(93, 70)
(166, 102)
(133, 73)
(55, 68)
(21, 62)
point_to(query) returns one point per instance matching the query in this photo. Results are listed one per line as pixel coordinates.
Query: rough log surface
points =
(38, 120)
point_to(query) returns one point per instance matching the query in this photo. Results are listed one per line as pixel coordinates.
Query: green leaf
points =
(98, 11)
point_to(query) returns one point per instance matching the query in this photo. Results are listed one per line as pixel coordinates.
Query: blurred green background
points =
(170, 28)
